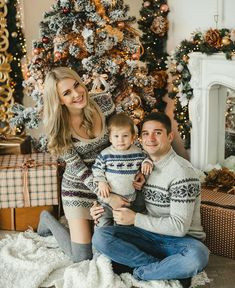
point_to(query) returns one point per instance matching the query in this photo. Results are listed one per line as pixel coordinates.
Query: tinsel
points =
(208, 42)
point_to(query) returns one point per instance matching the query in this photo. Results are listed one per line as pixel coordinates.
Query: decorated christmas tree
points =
(95, 38)
(11, 53)
(154, 25)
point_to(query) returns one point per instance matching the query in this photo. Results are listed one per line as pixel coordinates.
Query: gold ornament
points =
(6, 96)
(226, 40)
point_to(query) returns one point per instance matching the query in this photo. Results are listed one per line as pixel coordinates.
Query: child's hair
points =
(121, 120)
(56, 117)
(159, 117)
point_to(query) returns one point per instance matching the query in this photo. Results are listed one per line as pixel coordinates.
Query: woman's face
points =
(72, 94)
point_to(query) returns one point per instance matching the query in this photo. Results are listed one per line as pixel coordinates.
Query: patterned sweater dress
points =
(77, 182)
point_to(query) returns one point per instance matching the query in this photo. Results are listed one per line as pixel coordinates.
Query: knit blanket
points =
(31, 261)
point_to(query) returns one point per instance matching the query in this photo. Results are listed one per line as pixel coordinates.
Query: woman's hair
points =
(56, 117)
(121, 120)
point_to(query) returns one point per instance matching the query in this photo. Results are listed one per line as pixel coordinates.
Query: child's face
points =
(121, 138)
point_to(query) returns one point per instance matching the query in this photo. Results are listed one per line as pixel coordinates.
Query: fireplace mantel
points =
(209, 77)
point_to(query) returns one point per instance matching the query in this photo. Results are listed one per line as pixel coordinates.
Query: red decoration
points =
(38, 61)
(66, 10)
(45, 40)
(164, 8)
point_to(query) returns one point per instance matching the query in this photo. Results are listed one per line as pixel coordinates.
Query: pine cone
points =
(159, 25)
(213, 38)
(160, 78)
(226, 178)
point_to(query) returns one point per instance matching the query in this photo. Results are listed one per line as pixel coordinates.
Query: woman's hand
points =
(96, 212)
(139, 181)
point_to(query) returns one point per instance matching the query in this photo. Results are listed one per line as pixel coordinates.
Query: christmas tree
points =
(96, 39)
(154, 25)
(11, 54)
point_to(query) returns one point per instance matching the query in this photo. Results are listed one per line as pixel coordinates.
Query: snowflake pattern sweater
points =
(77, 182)
(172, 197)
(118, 169)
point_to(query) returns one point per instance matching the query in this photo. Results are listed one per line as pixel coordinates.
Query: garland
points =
(210, 42)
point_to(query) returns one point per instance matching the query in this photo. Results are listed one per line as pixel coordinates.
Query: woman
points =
(75, 125)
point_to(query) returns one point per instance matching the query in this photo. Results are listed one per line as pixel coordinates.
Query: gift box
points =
(29, 180)
(21, 219)
(218, 220)
(10, 144)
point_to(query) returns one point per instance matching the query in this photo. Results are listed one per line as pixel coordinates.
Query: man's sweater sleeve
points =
(176, 222)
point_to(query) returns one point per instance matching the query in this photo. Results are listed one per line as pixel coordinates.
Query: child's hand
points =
(104, 189)
(146, 168)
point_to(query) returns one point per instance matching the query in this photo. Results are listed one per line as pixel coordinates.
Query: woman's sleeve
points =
(76, 167)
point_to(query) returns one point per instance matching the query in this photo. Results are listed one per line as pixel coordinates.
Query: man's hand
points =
(124, 216)
(103, 189)
(139, 181)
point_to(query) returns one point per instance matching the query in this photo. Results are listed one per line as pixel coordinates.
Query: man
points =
(165, 243)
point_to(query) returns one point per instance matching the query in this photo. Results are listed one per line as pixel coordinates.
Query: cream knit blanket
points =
(30, 261)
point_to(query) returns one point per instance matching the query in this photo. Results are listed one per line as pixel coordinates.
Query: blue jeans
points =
(153, 256)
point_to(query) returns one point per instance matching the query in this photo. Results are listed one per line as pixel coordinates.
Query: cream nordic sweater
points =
(172, 196)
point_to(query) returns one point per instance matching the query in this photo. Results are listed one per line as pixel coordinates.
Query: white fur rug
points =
(30, 261)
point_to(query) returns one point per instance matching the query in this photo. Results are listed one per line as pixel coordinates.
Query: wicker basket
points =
(218, 220)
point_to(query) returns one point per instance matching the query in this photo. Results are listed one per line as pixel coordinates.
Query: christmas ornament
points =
(135, 56)
(159, 25)
(36, 51)
(164, 8)
(121, 25)
(66, 10)
(146, 4)
(45, 40)
(58, 55)
(226, 40)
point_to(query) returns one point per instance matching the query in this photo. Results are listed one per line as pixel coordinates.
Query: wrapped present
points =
(10, 144)
(21, 219)
(28, 180)
(218, 221)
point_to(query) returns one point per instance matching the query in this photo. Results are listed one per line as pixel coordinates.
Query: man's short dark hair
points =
(159, 117)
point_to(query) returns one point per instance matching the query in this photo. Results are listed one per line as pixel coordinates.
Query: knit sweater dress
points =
(77, 187)
(172, 199)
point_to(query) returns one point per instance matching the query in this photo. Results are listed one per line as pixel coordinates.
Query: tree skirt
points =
(28, 260)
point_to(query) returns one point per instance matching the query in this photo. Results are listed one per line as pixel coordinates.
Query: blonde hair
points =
(56, 117)
(121, 120)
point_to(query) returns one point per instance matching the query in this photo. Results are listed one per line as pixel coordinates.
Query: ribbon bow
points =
(98, 80)
(29, 163)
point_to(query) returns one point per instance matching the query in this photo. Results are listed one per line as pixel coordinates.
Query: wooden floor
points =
(220, 270)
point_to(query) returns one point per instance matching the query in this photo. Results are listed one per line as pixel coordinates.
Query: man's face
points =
(155, 140)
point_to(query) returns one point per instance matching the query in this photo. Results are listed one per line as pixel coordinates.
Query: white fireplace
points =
(211, 76)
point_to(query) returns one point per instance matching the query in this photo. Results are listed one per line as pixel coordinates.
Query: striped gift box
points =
(28, 180)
